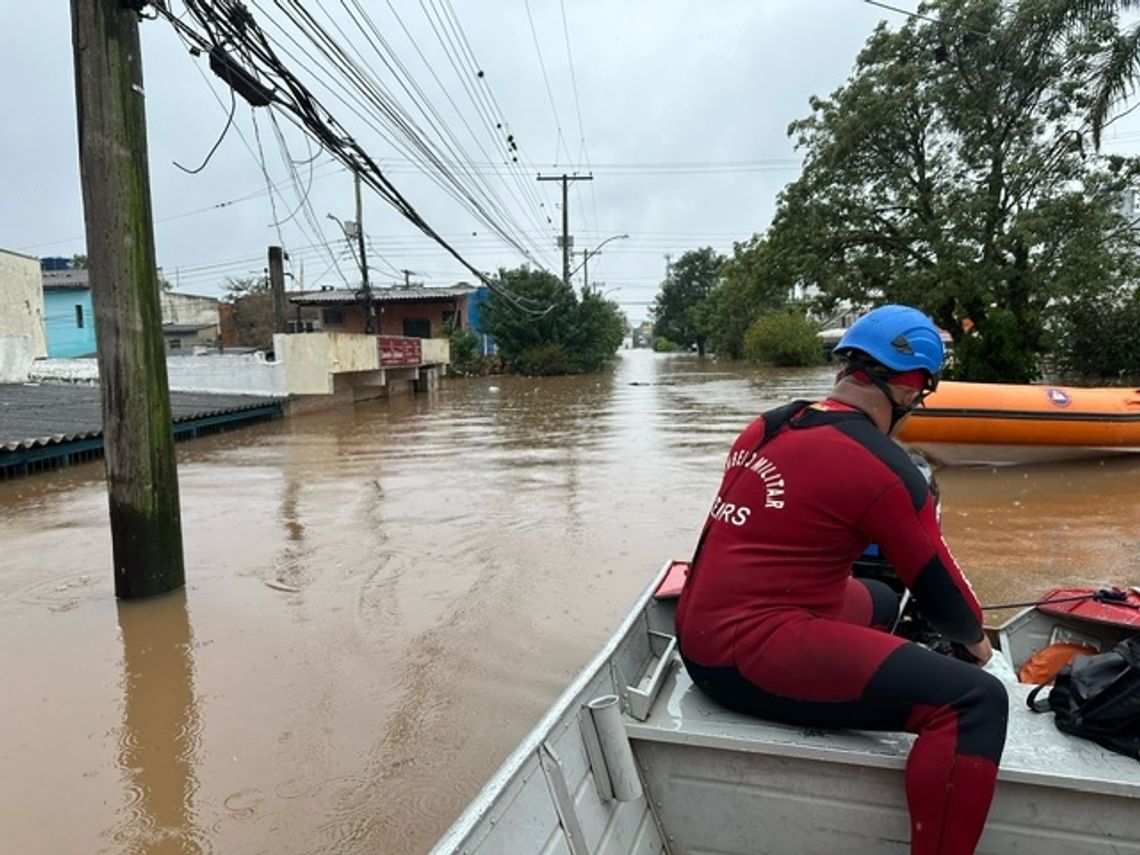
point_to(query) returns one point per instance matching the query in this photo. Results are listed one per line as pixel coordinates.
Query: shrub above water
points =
(785, 339)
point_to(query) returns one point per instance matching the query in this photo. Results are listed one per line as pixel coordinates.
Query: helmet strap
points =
(898, 411)
(879, 376)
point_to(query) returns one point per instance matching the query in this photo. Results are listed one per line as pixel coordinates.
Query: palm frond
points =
(1116, 79)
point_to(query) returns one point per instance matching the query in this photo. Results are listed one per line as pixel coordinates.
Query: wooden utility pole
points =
(369, 311)
(567, 242)
(277, 287)
(138, 439)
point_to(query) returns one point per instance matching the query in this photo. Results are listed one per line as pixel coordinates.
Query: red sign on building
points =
(396, 350)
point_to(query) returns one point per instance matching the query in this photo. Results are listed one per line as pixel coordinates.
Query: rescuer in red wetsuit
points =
(772, 623)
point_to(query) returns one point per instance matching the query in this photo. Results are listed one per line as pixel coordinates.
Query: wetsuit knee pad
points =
(978, 701)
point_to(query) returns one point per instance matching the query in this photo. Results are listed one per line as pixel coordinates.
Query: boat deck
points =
(841, 790)
(1035, 750)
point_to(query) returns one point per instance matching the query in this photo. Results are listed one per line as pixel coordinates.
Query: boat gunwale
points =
(1025, 415)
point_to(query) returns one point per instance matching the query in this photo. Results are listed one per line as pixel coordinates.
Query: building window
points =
(417, 327)
(78, 316)
(449, 319)
(335, 317)
(176, 344)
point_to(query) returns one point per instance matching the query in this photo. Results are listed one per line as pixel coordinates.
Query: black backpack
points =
(1098, 697)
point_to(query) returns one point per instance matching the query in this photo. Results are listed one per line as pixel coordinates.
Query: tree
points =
(783, 338)
(680, 310)
(251, 322)
(749, 286)
(597, 332)
(541, 327)
(79, 261)
(948, 173)
(1099, 340)
(1118, 62)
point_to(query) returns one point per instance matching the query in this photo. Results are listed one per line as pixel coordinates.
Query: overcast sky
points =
(683, 110)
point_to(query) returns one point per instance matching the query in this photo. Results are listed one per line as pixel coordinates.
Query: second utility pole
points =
(566, 241)
(369, 316)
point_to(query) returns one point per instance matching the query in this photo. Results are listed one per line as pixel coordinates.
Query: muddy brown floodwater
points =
(381, 601)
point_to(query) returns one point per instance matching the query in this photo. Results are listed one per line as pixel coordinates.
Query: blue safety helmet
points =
(898, 337)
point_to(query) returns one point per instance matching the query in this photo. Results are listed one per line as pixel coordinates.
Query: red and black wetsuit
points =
(771, 623)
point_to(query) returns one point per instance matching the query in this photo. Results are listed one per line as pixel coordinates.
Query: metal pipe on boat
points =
(902, 608)
(606, 715)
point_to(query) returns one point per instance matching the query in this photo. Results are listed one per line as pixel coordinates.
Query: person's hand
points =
(981, 650)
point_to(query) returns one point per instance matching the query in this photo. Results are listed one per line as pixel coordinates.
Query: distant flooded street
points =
(382, 600)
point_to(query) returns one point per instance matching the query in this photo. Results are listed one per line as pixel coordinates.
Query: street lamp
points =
(352, 230)
(587, 255)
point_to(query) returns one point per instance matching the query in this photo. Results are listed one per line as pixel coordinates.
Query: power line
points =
(265, 80)
(561, 140)
(429, 160)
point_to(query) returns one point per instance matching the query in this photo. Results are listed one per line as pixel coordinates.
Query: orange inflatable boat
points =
(996, 423)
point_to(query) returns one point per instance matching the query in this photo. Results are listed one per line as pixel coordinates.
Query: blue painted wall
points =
(66, 337)
(475, 301)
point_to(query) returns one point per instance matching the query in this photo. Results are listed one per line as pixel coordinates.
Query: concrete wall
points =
(81, 371)
(309, 364)
(21, 301)
(187, 308)
(15, 358)
(219, 373)
(312, 359)
(435, 350)
(226, 373)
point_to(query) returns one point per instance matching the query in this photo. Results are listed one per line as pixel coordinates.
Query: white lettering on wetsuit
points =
(730, 513)
(769, 474)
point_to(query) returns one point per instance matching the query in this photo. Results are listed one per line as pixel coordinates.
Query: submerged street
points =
(382, 600)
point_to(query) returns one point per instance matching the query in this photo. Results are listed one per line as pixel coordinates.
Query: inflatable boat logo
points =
(1058, 398)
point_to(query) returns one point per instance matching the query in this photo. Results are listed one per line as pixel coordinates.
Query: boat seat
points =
(1036, 752)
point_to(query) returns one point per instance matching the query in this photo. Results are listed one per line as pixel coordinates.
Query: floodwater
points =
(382, 600)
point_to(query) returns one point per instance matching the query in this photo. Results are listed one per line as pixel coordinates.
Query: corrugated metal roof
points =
(37, 415)
(348, 296)
(66, 280)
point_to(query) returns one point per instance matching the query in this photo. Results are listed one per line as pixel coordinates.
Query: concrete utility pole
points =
(277, 287)
(369, 310)
(138, 440)
(407, 277)
(567, 242)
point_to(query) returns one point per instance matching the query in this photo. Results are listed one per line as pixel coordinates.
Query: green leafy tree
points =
(784, 338)
(1098, 341)
(597, 332)
(681, 309)
(749, 286)
(541, 327)
(250, 323)
(948, 173)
